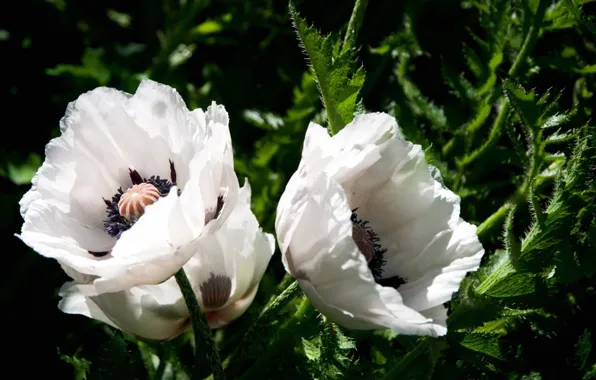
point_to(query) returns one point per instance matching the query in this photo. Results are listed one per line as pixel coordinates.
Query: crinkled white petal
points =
(155, 312)
(417, 221)
(318, 249)
(239, 251)
(388, 182)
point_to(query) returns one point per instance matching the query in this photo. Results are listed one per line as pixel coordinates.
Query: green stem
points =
(233, 362)
(413, 354)
(354, 24)
(522, 56)
(495, 134)
(161, 368)
(279, 343)
(209, 355)
(530, 39)
(493, 221)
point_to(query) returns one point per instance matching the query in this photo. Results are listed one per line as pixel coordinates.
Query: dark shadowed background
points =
(245, 55)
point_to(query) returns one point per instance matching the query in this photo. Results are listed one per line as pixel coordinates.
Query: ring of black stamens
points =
(115, 224)
(377, 262)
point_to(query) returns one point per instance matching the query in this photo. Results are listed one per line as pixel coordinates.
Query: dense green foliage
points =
(501, 95)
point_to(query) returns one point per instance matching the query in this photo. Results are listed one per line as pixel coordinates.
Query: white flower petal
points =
(367, 129)
(161, 111)
(74, 302)
(150, 312)
(239, 253)
(225, 316)
(388, 184)
(440, 268)
(322, 255)
(54, 234)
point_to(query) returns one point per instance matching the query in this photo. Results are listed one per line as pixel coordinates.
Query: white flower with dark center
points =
(130, 182)
(224, 271)
(374, 239)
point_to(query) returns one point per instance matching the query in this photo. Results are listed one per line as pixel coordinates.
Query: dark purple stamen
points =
(376, 262)
(172, 172)
(135, 177)
(99, 254)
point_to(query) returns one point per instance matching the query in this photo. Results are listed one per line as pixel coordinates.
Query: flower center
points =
(364, 241)
(126, 207)
(134, 200)
(368, 244)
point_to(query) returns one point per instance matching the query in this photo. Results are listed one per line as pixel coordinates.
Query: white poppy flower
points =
(131, 180)
(374, 240)
(225, 271)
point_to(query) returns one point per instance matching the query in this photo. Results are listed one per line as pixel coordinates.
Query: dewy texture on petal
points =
(368, 179)
(111, 141)
(136, 188)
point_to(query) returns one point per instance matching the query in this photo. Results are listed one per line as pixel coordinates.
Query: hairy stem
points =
(354, 24)
(514, 71)
(271, 310)
(419, 349)
(206, 360)
(303, 314)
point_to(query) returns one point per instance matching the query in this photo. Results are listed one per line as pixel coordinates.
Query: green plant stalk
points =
(354, 24)
(234, 360)
(299, 316)
(493, 221)
(419, 349)
(527, 46)
(209, 355)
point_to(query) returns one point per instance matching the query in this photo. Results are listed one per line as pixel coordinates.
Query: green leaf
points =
(117, 359)
(80, 365)
(524, 103)
(122, 19)
(418, 363)
(583, 348)
(22, 173)
(514, 284)
(208, 27)
(577, 15)
(484, 343)
(460, 86)
(311, 350)
(91, 66)
(338, 77)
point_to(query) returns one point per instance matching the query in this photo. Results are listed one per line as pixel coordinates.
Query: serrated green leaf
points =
(311, 350)
(338, 77)
(583, 348)
(576, 14)
(80, 365)
(487, 344)
(459, 85)
(514, 285)
(524, 103)
(422, 105)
